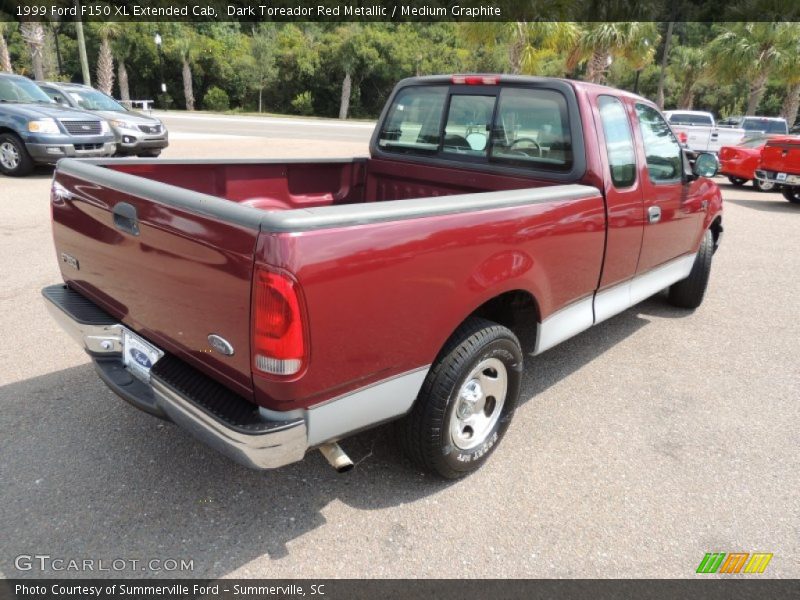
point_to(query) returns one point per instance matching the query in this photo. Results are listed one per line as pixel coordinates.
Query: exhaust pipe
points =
(334, 454)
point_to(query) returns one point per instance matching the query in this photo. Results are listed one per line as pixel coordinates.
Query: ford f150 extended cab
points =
(698, 130)
(780, 165)
(271, 307)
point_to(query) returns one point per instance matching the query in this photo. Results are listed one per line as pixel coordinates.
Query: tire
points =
(456, 422)
(14, 158)
(792, 194)
(689, 292)
(763, 186)
(737, 181)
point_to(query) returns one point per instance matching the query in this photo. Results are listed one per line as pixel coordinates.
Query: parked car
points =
(780, 165)
(136, 133)
(274, 306)
(698, 131)
(35, 130)
(757, 126)
(739, 163)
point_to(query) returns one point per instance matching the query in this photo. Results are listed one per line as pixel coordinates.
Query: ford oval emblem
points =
(140, 357)
(220, 344)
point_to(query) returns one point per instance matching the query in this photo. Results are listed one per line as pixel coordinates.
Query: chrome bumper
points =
(772, 177)
(276, 443)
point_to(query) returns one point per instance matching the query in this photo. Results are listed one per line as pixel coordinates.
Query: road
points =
(639, 445)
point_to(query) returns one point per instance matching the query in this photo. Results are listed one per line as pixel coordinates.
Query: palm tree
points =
(750, 52)
(663, 72)
(33, 34)
(602, 42)
(5, 57)
(788, 71)
(183, 46)
(121, 48)
(105, 59)
(689, 65)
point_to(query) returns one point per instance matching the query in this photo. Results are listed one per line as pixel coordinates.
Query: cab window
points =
(664, 157)
(619, 142)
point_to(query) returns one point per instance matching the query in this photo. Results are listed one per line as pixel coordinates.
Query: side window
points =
(664, 158)
(619, 142)
(53, 94)
(468, 123)
(414, 120)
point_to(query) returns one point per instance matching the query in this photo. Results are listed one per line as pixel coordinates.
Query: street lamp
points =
(157, 39)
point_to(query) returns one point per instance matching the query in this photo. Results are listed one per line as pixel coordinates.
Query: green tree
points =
(689, 66)
(263, 49)
(749, 51)
(788, 73)
(106, 31)
(183, 45)
(33, 34)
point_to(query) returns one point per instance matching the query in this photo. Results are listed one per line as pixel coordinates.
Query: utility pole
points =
(87, 80)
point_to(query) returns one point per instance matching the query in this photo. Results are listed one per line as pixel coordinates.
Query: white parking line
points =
(181, 135)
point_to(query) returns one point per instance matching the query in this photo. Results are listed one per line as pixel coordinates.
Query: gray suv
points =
(36, 130)
(136, 133)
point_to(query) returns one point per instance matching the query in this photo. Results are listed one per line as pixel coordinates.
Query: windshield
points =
(689, 119)
(94, 100)
(23, 91)
(765, 125)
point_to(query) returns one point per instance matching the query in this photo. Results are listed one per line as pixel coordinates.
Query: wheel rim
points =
(479, 404)
(765, 186)
(9, 155)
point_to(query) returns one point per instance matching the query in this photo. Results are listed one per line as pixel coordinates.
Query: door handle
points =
(125, 218)
(654, 214)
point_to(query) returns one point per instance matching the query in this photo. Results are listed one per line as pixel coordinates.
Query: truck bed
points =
(375, 250)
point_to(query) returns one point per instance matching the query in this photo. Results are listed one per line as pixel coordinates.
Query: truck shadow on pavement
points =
(87, 476)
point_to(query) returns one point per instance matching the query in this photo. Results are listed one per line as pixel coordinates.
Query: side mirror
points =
(705, 165)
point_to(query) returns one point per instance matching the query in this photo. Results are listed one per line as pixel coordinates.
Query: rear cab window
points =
(502, 126)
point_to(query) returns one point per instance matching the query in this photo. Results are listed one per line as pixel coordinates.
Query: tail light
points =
(682, 137)
(475, 79)
(278, 339)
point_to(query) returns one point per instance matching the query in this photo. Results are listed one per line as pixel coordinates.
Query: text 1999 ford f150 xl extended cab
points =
(270, 307)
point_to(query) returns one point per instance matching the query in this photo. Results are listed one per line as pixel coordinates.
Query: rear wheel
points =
(689, 292)
(467, 401)
(737, 181)
(792, 194)
(763, 186)
(14, 158)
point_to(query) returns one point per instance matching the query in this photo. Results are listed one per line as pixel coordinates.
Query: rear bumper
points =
(790, 180)
(131, 142)
(178, 392)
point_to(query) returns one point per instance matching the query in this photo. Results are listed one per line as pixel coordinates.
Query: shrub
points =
(216, 99)
(303, 103)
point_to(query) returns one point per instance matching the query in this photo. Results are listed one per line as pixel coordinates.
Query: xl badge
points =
(220, 344)
(70, 260)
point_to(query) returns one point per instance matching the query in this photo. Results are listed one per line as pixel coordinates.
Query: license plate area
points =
(138, 355)
(781, 177)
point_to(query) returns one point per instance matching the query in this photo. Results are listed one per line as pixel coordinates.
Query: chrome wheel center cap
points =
(471, 393)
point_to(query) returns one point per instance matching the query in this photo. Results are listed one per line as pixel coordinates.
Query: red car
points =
(739, 163)
(780, 165)
(272, 307)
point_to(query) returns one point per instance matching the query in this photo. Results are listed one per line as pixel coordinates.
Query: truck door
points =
(622, 188)
(673, 209)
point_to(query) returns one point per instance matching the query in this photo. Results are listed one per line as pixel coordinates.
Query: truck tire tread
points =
(689, 292)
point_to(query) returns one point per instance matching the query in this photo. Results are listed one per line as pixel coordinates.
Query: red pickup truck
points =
(780, 166)
(271, 307)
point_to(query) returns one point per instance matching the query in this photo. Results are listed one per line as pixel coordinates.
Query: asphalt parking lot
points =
(639, 445)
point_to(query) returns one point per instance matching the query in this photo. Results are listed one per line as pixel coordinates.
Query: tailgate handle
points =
(125, 218)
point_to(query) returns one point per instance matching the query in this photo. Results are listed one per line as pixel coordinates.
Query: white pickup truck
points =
(698, 131)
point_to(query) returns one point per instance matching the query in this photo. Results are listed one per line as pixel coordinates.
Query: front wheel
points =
(763, 186)
(737, 181)
(14, 158)
(467, 401)
(689, 292)
(792, 194)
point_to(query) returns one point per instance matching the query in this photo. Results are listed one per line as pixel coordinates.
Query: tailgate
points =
(782, 155)
(174, 266)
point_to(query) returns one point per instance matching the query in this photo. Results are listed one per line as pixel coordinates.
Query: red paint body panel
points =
(782, 154)
(738, 161)
(380, 298)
